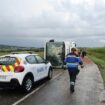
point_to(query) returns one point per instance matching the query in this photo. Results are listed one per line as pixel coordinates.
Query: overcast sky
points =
(33, 22)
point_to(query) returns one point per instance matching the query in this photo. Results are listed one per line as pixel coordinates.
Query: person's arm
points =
(80, 62)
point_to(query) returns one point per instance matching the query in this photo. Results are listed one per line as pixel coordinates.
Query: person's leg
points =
(77, 71)
(73, 75)
(72, 81)
(69, 73)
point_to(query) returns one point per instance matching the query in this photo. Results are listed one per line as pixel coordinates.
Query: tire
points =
(50, 74)
(27, 84)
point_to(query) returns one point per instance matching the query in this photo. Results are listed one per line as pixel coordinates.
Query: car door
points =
(42, 67)
(33, 66)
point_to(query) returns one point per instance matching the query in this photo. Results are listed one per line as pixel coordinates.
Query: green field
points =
(98, 56)
(40, 52)
(3, 53)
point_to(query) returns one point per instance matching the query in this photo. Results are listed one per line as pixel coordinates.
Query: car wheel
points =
(27, 84)
(50, 74)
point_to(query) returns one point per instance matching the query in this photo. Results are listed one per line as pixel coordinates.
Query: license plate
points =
(2, 77)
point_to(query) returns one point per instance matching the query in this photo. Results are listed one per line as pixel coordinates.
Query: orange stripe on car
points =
(17, 61)
(7, 67)
(13, 66)
(4, 68)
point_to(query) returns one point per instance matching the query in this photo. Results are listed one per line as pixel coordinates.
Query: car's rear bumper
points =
(11, 84)
(6, 77)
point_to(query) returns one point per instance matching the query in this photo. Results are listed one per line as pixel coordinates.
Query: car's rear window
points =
(7, 60)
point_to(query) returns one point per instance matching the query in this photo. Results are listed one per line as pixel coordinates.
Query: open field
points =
(98, 56)
(36, 51)
(3, 53)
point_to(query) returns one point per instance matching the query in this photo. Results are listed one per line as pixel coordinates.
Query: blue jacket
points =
(72, 60)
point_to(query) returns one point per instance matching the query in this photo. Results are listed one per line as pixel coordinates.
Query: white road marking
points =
(56, 76)
(25, 97)
(28, 95)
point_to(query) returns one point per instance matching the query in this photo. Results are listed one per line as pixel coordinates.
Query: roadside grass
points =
(4, 53)
(98, 56)
(41, 53)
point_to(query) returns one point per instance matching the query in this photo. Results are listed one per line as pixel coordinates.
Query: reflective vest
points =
(72, 61)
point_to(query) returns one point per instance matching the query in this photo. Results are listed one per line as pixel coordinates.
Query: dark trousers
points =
(73, 73)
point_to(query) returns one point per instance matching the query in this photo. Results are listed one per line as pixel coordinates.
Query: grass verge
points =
(98, 56)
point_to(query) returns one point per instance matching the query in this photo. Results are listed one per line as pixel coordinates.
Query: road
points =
(9, 96)
(56, 91)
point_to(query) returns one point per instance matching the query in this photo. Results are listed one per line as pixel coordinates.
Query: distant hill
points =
(7, 46)
(17, 48)
(10, 47)
(14, 48)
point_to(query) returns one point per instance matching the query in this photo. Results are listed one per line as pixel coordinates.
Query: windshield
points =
(7, 60)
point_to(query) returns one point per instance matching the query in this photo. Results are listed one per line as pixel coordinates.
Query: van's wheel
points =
(27, 84)
(50, 74)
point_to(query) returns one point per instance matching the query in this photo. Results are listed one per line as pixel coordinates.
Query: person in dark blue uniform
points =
(72, 61)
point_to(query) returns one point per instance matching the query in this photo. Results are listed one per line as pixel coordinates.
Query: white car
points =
(23, 70)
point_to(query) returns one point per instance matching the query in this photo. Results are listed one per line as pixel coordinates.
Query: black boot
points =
(72, 84)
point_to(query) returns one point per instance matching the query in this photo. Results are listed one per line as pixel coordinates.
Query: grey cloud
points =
(32, 22)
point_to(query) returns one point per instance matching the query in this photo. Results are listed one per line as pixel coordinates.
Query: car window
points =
(39, 59)
(31, 59)
(7, 60)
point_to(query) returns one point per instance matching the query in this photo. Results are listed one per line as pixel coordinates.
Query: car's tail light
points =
(19, 69)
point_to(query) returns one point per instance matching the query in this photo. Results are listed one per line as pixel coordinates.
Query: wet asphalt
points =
(9, 96)
(57, 91)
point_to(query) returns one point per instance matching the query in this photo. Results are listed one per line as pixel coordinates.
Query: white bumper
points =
(7, 77)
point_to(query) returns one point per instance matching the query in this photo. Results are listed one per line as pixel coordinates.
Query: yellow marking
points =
(4, 68)
(19, 59)
(11, 68)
